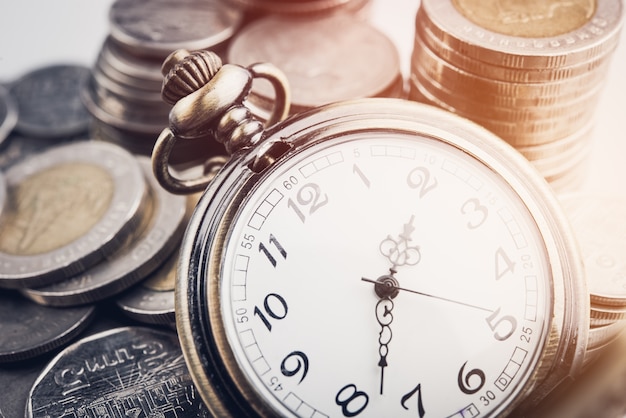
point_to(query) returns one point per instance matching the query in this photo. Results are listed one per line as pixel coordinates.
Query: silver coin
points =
(110, 110)
(325, 59)
(152, 300)
(28, 330)
(158, 27)
(67, 208)
(8, 114)
(145, 248)
(3, 192)
(49, 103)
(124, 372)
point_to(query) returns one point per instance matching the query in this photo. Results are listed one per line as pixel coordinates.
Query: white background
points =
(34, 33)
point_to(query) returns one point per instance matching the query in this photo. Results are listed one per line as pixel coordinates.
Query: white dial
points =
(385, 274)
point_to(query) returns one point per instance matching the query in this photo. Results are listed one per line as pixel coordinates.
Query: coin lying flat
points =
(49, 103)
(8, 114)
(325, 59)
(28, 330)
(159, 232)
(160, 27)
(125, 372)
(67, 208)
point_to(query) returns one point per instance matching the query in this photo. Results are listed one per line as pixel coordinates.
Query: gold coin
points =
(601, 336)
(424, 35)
(455, 79)
(43, 216)
(508, 107)
(528, 18)
(580, 45)
(518, 135)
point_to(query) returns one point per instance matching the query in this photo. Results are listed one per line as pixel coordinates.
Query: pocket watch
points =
(373, 257)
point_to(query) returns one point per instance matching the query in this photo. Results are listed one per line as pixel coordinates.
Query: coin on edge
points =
(8, 114)
(598, 222)
(158, 234)
(49, 103)
(152, 300)
(67, 208)
(126, 372)
(28, 330)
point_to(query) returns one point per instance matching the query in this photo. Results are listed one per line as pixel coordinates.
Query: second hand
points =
(428, 295)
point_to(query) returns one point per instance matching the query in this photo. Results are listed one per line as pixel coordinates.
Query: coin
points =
(299, 6)
(3, 192)
(125, 372)
(424, 35)
(152, 300)
(325, 59)
(157, 235)
(581, 44)
(28, 330)
(48, 101)
(161, 26)
(67, 208)
(598, 223)
(8, 114)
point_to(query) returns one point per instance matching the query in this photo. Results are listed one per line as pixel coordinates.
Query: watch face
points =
(384, 274)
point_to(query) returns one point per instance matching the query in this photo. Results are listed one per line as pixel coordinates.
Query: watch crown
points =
(186, 72)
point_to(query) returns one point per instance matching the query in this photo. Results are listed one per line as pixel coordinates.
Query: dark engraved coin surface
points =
(49, 103)
(28, 330)
(123, 372)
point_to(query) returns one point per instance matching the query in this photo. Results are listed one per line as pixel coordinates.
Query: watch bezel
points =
(211, 361)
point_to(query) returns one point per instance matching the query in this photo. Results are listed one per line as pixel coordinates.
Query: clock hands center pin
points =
(399, 252)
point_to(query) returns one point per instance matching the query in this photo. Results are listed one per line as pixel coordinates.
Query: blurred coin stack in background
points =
(531, 72)
(123, 93)
(328, 50)
(602, 242)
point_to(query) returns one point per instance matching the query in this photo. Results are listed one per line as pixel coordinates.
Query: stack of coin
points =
(326, 58)
(530, 71)
(85, 221)
(598, 222)
(123, 93)
(299, 7)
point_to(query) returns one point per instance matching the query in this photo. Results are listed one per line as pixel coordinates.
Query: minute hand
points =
(429, 295)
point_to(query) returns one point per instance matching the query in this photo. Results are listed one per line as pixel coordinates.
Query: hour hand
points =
(384, 316)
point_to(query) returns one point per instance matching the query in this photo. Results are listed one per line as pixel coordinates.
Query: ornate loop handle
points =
(208, 104)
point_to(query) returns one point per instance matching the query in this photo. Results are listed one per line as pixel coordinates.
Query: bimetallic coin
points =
(530, 18)
(144, 249)
(325, 59)
(67, 208)
(123, 372)
(579, 45)
(28, 330)
(159, 27)
(424, 36)
(49, 103)
(152, 300)
(8, 114)
(598, 222)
